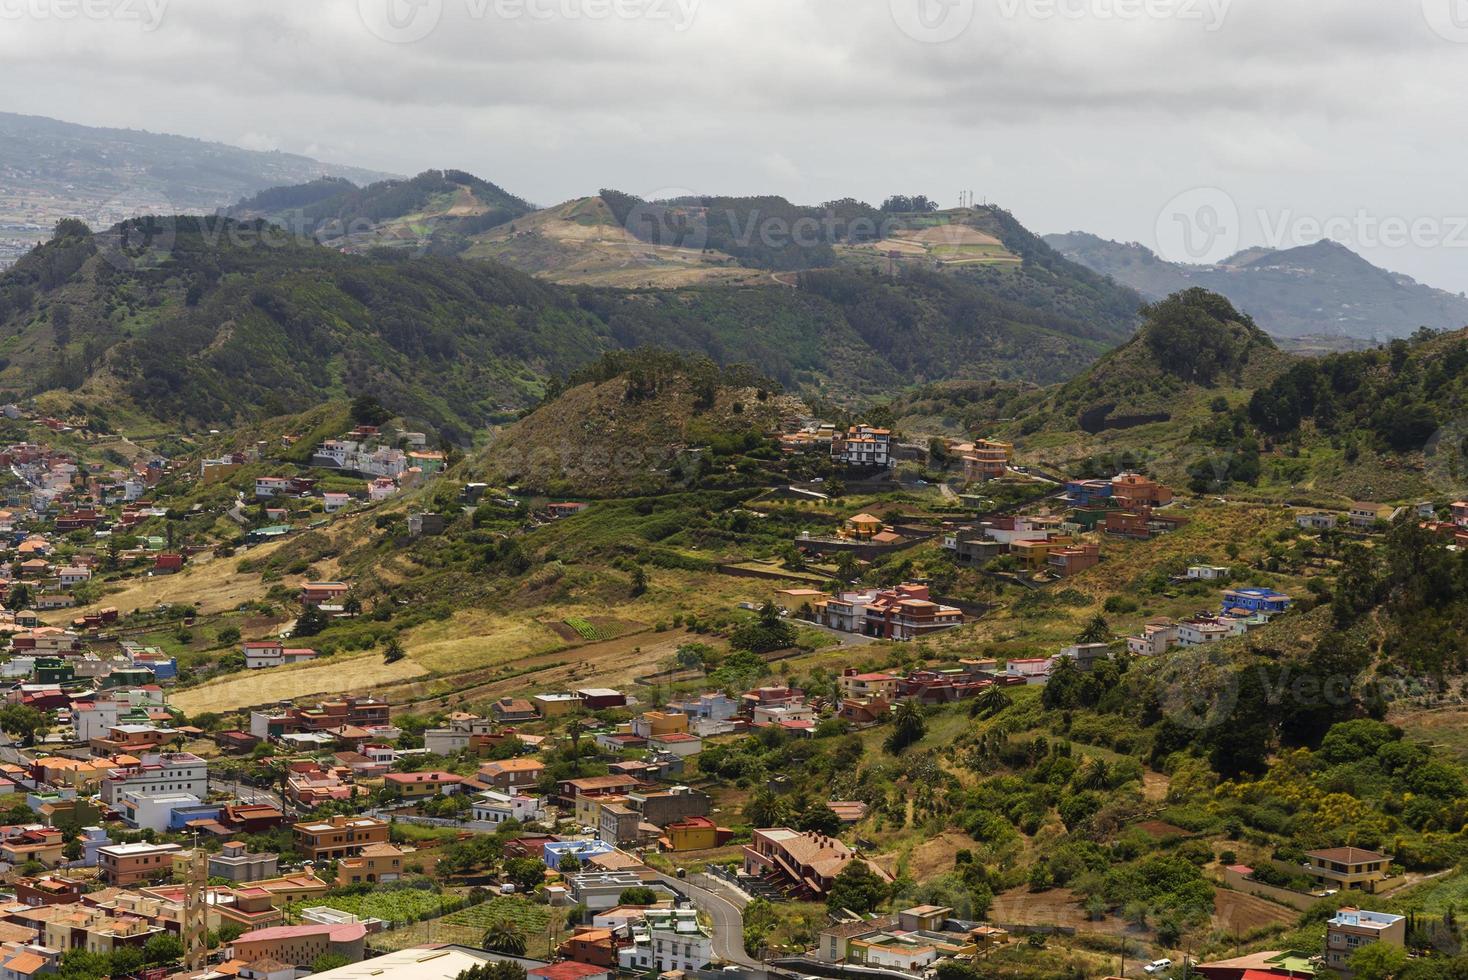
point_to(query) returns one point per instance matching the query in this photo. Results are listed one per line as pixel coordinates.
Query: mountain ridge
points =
(1315, 290)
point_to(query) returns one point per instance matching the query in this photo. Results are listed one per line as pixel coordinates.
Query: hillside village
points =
(647, 822)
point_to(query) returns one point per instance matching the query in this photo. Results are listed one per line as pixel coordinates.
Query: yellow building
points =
(863, 527)
(651, 723)
(588, 808)
(1032, 554)
(693, 834)
(376, 863)
(556, 704)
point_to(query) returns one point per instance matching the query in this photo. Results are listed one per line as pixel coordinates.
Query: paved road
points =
(727, 913)
(244, 792)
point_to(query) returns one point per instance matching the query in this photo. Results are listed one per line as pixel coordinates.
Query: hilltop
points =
(642, 422)
(438, 210)
(1192, 345)
(582, 242)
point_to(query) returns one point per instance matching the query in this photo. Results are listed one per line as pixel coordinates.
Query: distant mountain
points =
(616, 239)
(1314, 291)
(438, 210)
(51, 170)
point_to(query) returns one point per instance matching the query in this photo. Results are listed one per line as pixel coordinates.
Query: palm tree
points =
(1098, 630)
(993, 699)
(505, 937)
(1095, 775)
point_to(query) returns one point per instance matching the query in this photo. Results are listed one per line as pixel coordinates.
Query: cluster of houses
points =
(1037, 544)
(58, 497)
(904, 612)
(911, 941)
(1325, 873)
(1241, 610)
(859, 446)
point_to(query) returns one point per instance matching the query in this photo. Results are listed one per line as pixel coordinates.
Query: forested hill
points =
(208, 321)
(1190, 346)
(1394, 398)
(438, 209)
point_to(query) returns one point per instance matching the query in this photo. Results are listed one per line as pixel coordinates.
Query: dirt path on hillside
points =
(606, 663)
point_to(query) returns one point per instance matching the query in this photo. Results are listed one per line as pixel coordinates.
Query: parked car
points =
(1157, 966)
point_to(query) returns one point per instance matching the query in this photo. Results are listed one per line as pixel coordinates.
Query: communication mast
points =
(195, 933)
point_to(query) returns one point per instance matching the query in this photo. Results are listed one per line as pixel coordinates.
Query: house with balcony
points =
(862, 446)
(338, 837)
(802, 865)
(1347, 868)
(868, 684)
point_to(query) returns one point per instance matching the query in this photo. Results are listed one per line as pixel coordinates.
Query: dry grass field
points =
(365, 673)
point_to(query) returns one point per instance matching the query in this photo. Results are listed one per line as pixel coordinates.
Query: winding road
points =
(725, 909)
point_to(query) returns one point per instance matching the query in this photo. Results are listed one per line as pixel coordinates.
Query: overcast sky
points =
(1193, 126)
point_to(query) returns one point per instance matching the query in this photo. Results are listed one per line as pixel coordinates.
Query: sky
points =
(1195, 127)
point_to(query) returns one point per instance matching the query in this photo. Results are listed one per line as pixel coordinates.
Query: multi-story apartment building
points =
(129, 864)
(667, 940)
(156, 774)
(863, 445)
(340, 836)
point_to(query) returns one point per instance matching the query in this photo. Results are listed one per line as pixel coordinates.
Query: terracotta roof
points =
(1347, 855)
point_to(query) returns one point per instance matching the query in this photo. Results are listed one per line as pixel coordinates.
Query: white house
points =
(271, 486)
(1207, 573)
(74, 574)
(495, 807)
(156, 774)
(333, 502)
(1316, 522)
(1154, 640)
(1200, 632)
(94, 719)
(260, 654)
(667, 939)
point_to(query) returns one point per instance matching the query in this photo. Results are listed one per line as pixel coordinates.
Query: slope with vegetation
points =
(203, 321)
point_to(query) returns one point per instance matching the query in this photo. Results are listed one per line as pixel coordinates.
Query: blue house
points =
(1256, 600)
(182, 816)
(1083, 493)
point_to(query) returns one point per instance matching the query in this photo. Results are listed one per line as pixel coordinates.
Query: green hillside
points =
(438, 209)
(208, 321)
